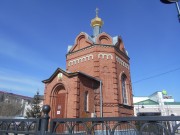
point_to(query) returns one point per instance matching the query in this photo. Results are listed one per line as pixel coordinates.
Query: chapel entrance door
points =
(60, 111)
(60, 105)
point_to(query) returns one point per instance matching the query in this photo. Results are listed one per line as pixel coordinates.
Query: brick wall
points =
(105, 62)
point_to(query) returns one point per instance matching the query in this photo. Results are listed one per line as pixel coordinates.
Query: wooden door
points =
(60, 111)
(60, 105)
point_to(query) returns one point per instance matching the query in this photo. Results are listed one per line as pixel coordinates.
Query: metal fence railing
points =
(141, 125)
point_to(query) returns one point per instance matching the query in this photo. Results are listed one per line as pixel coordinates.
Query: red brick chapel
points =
(97, 81)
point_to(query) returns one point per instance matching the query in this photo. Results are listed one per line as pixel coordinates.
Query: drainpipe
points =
(101, 101)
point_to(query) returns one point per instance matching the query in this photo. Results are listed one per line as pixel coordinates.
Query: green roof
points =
(172, 103)
(147, 102)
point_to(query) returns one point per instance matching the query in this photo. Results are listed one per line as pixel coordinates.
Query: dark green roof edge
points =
(172, 103)
(147, 102)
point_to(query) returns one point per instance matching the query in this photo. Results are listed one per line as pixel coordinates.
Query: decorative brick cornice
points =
(108, 104)
(89, 57)
(86, 48)
(126, 106)
(123, 63)
(91, 46)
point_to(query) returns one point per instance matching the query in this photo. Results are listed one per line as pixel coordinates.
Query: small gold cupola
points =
(96, 23)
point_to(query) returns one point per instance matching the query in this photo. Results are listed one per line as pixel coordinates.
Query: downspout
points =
(101, 101)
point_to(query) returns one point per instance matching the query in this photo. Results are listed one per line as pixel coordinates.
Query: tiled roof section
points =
(147, 102)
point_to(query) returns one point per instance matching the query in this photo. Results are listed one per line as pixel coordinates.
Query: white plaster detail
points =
(59, 76)
(123, 63)
(80, 60)
(105, 55)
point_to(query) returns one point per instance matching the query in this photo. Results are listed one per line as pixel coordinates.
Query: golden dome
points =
(96, 21)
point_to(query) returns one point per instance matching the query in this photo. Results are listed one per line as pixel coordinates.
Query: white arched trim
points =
(105, 56)
(81, 59)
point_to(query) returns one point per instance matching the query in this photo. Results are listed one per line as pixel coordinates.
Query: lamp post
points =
(173, 1)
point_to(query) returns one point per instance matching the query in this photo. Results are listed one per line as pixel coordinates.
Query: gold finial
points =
(97, 12)
(96, 21)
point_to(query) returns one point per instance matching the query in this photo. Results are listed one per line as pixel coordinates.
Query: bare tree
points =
(10, 109)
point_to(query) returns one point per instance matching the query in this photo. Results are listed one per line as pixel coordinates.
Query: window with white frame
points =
(124, 89)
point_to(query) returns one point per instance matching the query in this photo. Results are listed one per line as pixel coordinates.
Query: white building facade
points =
(159, 104)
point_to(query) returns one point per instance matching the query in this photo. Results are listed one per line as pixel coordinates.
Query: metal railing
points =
(19, 126)
(141, 125)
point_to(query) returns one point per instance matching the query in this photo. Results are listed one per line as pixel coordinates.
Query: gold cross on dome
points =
(97, 12)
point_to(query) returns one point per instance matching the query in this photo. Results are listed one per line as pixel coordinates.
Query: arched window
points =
(86, 100)
(124, 89)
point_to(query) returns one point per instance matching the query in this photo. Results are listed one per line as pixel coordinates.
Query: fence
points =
(141, 125)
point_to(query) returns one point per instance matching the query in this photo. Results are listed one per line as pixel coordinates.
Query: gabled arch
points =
(120, 44)
(58, 89)
(104, 38)
(81, 41)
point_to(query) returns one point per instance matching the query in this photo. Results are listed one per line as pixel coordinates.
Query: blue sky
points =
(35, 34)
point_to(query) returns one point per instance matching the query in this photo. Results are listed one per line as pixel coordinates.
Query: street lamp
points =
(170, 2)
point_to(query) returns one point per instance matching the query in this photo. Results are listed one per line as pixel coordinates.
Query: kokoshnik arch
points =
(97, 79)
